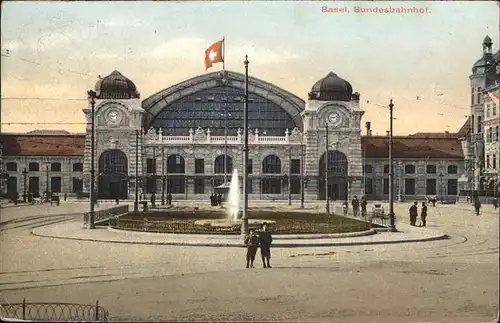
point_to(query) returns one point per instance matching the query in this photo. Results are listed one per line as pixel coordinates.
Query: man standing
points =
(413, 214)
(423, 214)
(265, 240)
(477, 205)
(363, 206)
(252, 243)
(355, 205)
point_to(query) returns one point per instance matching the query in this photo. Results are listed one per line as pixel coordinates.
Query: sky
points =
(57, 50)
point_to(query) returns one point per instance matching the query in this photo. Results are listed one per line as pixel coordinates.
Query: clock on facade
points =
(114, 116)
(334, 119)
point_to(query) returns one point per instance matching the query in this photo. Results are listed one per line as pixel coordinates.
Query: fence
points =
(102, 215)
(53, 312)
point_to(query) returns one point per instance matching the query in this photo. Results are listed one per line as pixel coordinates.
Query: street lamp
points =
(47, 182)
(441, 186)
(24, 177)
(302, 174)
(391, 172)
(225, 115)
(285, 179)
(244, 217)
(289, 177)
(91, 97)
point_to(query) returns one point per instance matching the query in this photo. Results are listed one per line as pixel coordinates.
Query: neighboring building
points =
(484, 74)
(492, 134)
(178, 134)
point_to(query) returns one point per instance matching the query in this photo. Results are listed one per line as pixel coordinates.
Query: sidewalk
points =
(75, 231)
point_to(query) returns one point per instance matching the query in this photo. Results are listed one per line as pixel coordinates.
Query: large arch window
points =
(113, 172)
(337, 175)
(206, 109)
(271, 165)
(219, 165)
(113, 161)
(176, 164)
(410, 169)
(337, 164)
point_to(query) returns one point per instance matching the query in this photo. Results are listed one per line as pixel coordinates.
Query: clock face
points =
(334, 119)
(114, 116)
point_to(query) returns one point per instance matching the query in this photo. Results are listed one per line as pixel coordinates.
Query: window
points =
(472, 124)
(386, 186)
(249, 186)
(479, 124)
(150, 184)
(430, 186)
(55, 184)
(150, 165)
(271, 165)
(488, 112)
(176, 165)
(271, 186)
(472, 97)
(78, 167)
(452, 169)
(77, 184)
(250, 166)
(55, 167)
(12, 167)
(295, 167)
(199, 166)
(34, 167)
(489, 134)
(487, 161)
(494, 162)
(176, 185)
(295, 185)
(431, 169)
(497, 133)
(452, 187)
(369, 169)
(199, 185)
(386, 169)
(34, 184)
(219, 165)
(494, 110)
(410, 169)
(478, 95)
(12, 185)
(410, 186)
(368, 186)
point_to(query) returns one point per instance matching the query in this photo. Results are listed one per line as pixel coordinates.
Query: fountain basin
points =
(223, 223)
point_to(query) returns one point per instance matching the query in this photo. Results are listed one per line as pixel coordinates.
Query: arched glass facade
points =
(337, 176)
(219, 165)
(206, 109)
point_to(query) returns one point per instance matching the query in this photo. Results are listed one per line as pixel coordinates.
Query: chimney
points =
(387, 133)
(368, 128)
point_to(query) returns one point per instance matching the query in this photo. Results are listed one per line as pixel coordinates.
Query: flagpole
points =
(223, 53)
(244, 218)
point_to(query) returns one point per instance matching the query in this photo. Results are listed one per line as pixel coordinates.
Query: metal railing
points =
(106, 214)
(53, 312)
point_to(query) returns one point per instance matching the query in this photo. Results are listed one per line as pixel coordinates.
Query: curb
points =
(235, 244)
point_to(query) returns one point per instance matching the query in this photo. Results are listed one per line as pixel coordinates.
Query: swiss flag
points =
(213, 54)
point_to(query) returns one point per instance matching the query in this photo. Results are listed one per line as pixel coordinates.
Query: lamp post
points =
(289, 177)
(24, 178)
(400, 180)
(302, 174)
(326, 173)
(391, 172)
(163, 176)
(283, 180)
(225, 114)
(92, 96)
(136, 184)
(153, 197)
(441, 186)
(244, 217)
(47, 182)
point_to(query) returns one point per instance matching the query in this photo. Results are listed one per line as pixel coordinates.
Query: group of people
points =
(216, 199)
(414, 214)
(356, 205)
(263, 239)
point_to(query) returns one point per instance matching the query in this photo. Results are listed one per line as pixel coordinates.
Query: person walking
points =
(355, 205)
(265, 240)
(363, 206)
(345, 207)
(413, 214)
(423, 214)
(252, 243)
(477, 205)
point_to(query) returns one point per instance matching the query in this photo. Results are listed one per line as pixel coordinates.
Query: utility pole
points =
(162, 175)
(244, 218)
(391, 171)
(289, 175)
(153, 197)
(225, 115)
(326, 173)
(136, 184)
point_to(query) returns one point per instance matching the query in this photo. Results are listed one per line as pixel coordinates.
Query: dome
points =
(485, 61)
(331, 88)
(116, 86)
(487, 41)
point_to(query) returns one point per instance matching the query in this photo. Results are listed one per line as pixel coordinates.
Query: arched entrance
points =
(113, 172)
(337, 176)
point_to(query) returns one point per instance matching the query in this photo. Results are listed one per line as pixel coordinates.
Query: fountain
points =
(233, 199)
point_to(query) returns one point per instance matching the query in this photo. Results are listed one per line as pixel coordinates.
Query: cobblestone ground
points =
(453, 280)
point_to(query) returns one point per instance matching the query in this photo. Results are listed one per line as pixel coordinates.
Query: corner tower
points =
(118, 115)
(333, 111)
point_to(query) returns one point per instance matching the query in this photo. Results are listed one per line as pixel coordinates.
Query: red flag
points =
(213, 54)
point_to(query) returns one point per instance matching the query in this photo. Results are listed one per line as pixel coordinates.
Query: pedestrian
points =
(363, 206)
(169, 198)
(477, 205)
(434, 200)
(252, 243)
(423, 214)
(219, 199)
(413, 214)
(117, 200)
(355, 205)
(495, 203)
(345, 206)
(212, 199)
(265, 240)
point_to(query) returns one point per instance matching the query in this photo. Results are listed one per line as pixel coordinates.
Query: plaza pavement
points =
(450, 280)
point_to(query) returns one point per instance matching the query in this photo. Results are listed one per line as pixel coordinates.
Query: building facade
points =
(492, 135)
(187, 140)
